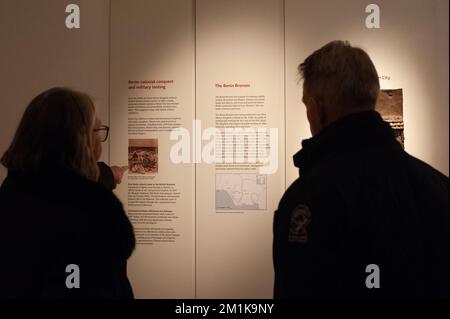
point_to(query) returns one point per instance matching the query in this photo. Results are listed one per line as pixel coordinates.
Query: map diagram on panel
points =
(390, 106)
(241, 192)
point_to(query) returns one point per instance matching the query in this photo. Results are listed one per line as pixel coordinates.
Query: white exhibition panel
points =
(154, 41)
(238, 42)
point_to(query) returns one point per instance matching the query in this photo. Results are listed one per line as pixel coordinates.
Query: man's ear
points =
(319, 104)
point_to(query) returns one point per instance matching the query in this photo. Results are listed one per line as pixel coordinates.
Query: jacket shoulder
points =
(425, 172)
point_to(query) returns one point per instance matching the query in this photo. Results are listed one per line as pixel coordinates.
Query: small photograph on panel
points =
(390, 106)
(143, 156)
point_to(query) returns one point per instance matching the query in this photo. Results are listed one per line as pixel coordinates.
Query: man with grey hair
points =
(365, 218)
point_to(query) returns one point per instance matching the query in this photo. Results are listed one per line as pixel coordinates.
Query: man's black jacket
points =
(362, 200)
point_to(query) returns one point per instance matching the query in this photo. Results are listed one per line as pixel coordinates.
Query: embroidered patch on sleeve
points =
(300, 219)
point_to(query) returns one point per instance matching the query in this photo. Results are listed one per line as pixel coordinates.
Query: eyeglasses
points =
(103, 132)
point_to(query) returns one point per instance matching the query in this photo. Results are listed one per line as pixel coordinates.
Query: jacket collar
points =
(356, 131)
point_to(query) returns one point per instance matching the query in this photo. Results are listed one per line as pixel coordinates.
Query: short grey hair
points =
(341, 75)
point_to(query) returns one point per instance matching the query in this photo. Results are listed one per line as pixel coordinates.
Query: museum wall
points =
(248, 50)
(155, 65)
(38, 52)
